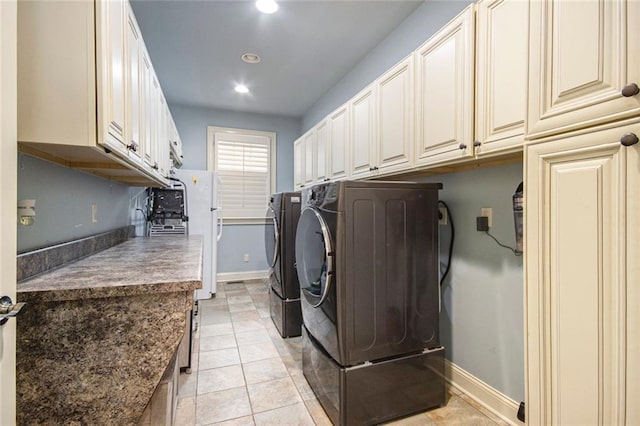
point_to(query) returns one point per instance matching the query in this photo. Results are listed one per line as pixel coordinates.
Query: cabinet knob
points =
(630, 89)
(133, 147)
(477, 143)
(462, 146)
(629, 139)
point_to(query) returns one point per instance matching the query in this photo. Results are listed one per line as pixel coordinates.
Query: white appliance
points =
(202, 207)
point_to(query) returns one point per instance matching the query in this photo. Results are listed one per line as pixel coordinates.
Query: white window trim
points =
(211, 137)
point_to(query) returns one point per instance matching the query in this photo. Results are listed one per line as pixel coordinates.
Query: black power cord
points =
(453, 235)
(515, 252)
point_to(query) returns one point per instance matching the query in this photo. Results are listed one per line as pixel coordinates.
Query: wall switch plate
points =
(488, 213)
(443, 217)
(246, 257)
(94, 213)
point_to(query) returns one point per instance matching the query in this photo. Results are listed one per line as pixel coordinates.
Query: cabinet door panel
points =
(581, 56)
(309, 166)
(322, 138)
(133, 89)
(444, 93)
(576, 278)
(146, 108)
(363, 133)
(114, 57)
(339, 143)
(395, 117)
(501, 74)
(298, 163)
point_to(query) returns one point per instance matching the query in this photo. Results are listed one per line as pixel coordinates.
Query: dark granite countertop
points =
(137, 266)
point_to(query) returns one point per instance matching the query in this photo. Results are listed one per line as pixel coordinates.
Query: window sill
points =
(245, 221)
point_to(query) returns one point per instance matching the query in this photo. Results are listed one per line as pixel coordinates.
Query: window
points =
(245, 161)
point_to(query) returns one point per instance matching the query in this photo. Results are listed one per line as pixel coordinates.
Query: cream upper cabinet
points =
(87, 98)
(339, 143)
(298, 163)
(133, 82)
(444, 93)
(501, 75)
(582, 276)
(362, 115)
(395, 117)
(583, 56)
(309, 160)
(112, 72)
(321, 151)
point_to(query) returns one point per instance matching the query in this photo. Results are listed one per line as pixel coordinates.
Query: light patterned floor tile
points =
(272, 394)
(257, 352)
(213, 343)
(290, 415)
(265, 370)
(220, 406)
(219, 358)
(252, 337)
(218, 379)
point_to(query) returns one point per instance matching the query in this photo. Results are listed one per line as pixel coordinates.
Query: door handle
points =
(8, 309)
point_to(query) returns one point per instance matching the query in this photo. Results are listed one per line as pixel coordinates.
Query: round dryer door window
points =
(314, 257)
(272, 238)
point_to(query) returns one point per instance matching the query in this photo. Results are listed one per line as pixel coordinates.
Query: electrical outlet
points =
(246, 257)
(488, 213)
(94, 213)
(443, 217)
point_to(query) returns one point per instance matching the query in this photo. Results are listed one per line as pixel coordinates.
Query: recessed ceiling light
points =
(267, 6)
(241, 88)
(251, 58)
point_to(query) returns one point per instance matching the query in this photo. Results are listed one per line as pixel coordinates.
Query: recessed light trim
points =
(267, 6)
(241, 88)
(251, 58)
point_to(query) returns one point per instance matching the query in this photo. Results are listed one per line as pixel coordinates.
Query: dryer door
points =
(272, 238)
(314, 257)
(315, 265)
(272, 249)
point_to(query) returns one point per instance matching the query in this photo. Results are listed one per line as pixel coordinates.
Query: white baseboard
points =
(493, 400)
(225, 277)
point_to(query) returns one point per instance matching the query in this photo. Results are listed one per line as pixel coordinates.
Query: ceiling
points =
(306, 47)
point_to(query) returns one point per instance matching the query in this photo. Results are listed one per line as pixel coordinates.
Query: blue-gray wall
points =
(409, 35)
(63, 203)
(482, 311)
(192, 123)
(482, 314)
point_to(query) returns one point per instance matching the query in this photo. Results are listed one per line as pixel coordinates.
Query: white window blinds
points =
(243, 163)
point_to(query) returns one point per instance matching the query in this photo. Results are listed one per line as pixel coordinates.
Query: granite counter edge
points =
(54, 295)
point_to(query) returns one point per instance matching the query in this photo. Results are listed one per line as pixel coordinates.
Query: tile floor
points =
(244, 373)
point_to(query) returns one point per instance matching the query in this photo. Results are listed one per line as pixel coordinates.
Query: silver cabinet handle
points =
(8, 309)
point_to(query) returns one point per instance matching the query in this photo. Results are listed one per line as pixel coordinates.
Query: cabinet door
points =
(339, 143)
(582, 54)
(362, 110)
(112, 35)
(579, 278)
(298, 163)
(309, 160)
(146, 109)
(501, 74)
(395, 117)
(133, 88)
(321, 151)
(444, 93)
